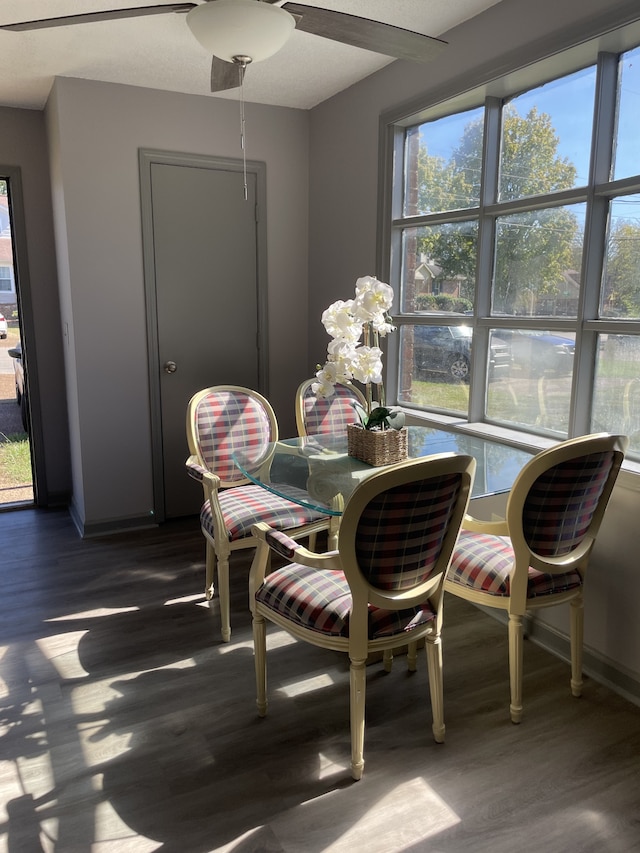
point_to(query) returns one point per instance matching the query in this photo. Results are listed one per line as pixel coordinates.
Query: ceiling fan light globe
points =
(230, 28)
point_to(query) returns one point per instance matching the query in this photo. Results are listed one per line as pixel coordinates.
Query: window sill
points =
(629, 477)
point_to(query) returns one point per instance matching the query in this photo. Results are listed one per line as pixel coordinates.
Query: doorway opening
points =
(16, 472)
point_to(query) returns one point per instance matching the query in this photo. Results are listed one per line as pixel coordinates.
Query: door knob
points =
(170, 367)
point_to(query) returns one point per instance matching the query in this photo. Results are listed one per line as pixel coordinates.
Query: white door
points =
(202, 274)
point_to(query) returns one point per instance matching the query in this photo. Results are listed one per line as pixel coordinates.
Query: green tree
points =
(533, 248)
(622, 290)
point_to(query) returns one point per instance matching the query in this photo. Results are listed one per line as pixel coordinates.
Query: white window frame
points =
(596, 195)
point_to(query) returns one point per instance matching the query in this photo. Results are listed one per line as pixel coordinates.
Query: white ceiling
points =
(159, 52)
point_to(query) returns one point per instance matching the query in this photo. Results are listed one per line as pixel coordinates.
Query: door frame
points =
(147, 158)
(13, 175)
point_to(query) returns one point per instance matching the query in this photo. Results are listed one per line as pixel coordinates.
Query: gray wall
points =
(95, 132)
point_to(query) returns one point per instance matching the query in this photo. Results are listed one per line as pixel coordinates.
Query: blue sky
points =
(569, 101)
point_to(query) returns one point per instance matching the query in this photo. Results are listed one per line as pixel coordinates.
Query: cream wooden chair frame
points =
(357, 644)
(517, 604)
(220, 545)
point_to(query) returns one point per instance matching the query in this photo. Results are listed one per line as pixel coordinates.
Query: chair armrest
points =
(493, 528)
(268, 539)
(210, 482)
(288, 548)
(195, 469)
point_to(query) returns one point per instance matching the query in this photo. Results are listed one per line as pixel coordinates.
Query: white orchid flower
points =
(368, 365)
(326, 380)
(337, 369)
(341, 348)
(382, 326)
(340, 323)
(345, 322)
(322, 388)
(373, 300)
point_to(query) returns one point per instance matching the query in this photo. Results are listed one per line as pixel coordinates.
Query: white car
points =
(3, 326)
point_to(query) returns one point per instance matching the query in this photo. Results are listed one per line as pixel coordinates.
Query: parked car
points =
(3, 326)
(447, 349)
(538, 351)
(22, 398)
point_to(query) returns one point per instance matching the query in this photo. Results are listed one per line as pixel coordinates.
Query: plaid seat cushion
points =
(321, 601)
(485, 563)
(243, 506)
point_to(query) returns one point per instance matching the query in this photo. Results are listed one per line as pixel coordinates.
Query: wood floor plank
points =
(125, 724)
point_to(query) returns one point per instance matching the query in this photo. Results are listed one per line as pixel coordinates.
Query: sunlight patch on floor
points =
(225, 648)
(61, 651)
(92, 614)
(401, 819)
(112, 833)
(315, 682)
(279, 640)
(328, 767)
(187, 599)
(415, 797)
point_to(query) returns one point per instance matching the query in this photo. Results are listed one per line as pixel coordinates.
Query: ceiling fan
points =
(238, 32)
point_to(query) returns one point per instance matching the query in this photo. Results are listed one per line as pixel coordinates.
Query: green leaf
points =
(362, 414)
(377, 417)
(395, 419)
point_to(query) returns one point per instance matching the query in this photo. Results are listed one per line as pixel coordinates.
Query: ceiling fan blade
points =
(93, 17)
(361, 32)
(224, 75)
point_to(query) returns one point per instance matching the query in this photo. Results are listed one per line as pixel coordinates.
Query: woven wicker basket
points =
(377, 447)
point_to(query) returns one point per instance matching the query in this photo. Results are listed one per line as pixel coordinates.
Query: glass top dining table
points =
(317, 472)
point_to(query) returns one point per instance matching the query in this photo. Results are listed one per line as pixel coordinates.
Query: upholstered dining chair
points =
(538, 555)
(324, 415)
(383, 585)
(220, 420)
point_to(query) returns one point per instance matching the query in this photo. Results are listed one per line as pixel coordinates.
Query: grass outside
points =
(15, 460)
(15, 453)
(519, 399)
(13, 336)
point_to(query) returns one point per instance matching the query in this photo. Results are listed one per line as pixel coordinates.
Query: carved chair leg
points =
(576, 611)
(260, 662)
(358, 683)
(223, 598)
(434, 664)
(515, 666)
(210, 567)
(412, 656)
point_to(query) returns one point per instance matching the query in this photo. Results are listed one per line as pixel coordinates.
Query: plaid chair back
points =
(401, 531)
(330, 415)
(226, 420)
(561, 503)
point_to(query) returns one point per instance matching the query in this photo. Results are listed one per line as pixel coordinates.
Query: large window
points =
(515, 250)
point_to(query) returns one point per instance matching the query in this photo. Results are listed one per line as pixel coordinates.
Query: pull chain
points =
(243, 61)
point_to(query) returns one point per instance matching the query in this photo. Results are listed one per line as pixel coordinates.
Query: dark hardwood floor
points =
(127, 725)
